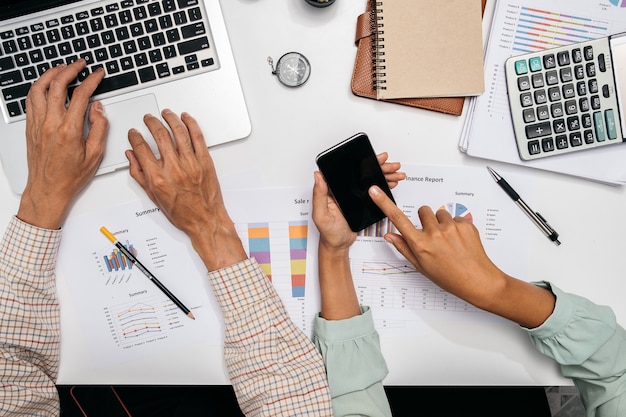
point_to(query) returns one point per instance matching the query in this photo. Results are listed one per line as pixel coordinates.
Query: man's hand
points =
(60, 159)
(184, 185)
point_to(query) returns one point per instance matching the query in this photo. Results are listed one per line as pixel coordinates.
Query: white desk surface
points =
(290, 126)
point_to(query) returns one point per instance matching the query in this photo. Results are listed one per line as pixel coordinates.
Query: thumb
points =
(320, 188)
(136, 171)
(320, 193)
(97, 132)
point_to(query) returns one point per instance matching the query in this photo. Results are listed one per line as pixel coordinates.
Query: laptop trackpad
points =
(124, 115)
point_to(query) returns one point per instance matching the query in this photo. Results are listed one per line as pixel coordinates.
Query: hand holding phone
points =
(350, 169)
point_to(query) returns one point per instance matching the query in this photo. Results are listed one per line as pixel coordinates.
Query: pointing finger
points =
(387, 206)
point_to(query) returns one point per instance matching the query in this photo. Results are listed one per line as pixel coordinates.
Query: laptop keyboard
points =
(139, 43)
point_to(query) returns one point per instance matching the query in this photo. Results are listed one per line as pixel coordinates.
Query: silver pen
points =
(537, 218)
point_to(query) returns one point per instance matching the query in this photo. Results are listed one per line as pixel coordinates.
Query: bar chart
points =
(117, 261)
(280, 249)
(539, 29)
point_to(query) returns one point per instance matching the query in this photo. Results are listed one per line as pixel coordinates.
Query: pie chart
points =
(457, 209)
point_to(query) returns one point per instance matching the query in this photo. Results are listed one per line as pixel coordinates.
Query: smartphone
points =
(350, 169)
(99, 401)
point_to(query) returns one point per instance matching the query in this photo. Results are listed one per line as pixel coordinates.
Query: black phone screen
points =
(350, 169)
(98, 401)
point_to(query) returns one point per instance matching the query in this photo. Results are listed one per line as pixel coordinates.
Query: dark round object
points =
(318, 3)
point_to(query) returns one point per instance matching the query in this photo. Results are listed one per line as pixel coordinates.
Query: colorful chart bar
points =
(542, 29)
(117, 261)
(259, 242)
(297, 248)
(378, 229)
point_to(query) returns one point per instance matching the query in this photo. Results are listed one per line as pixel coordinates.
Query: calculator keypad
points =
(563, 99)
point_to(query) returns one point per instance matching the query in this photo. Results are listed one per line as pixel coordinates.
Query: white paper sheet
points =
(123, 316)
(399, 295)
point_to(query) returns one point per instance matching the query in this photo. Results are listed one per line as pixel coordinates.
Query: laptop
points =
(156, 53)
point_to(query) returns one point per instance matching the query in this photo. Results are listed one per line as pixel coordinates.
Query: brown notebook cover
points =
(364, 74)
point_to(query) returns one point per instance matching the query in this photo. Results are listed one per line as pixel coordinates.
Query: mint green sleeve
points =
(355, 365)
(590, 346)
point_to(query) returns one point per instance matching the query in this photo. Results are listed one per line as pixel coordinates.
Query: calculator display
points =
(618, 53)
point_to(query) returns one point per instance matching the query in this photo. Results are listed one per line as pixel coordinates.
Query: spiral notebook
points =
(428, 49)
(363, 81)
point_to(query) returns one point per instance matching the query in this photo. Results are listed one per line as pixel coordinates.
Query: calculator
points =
(568, 99)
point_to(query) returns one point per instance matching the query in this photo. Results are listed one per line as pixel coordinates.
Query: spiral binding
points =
(378, 55)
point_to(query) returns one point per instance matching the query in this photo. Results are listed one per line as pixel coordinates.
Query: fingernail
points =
(98, 106)
(374, 190)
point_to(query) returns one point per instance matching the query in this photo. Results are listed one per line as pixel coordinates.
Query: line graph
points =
(386, 268)
(139, 322)
(393, 285)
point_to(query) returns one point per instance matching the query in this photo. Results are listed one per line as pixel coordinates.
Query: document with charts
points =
(124, 316)
(400, 297)
(425, 331)
(525, 26)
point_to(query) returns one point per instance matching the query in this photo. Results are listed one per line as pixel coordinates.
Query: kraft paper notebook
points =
(429, 49)
(364, 76)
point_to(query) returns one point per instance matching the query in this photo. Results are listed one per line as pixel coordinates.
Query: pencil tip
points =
(190, 315)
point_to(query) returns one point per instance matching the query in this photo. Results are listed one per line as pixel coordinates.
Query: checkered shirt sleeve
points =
(29, 321)
(273, 366)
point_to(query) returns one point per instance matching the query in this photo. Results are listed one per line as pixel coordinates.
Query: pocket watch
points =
(292, 69)
(320, 3)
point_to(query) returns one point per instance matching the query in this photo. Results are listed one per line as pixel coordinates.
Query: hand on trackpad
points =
(124, 115)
